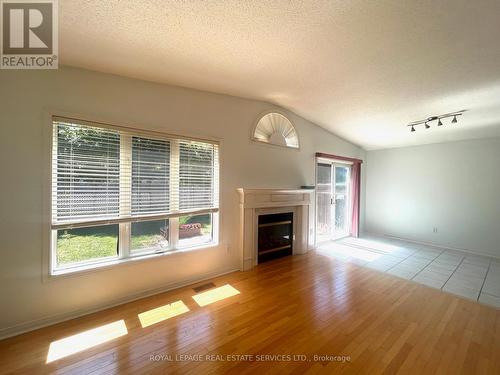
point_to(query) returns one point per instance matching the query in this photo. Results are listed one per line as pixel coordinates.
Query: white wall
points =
(26, 96)
(452, 186)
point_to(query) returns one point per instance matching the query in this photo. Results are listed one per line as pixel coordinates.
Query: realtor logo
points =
(29, 34)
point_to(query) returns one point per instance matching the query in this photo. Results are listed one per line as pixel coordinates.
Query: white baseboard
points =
(44, 322)
(433, 244)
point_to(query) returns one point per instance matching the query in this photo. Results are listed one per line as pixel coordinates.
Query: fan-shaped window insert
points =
(276, 129)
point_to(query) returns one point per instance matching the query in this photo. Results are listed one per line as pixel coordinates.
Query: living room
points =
(232, 187)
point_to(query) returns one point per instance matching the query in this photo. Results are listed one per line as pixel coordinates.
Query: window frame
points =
(259, 142)
(124, 255)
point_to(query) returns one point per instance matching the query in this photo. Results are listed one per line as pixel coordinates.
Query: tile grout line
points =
(402, 260)
(484, 281)
(455, 270)
(428, 264)
(407, 258)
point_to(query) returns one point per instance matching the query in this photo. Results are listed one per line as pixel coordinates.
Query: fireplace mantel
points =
(255, 202)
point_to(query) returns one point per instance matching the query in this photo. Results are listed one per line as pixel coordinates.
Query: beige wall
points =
(25, 99)
(454, 187)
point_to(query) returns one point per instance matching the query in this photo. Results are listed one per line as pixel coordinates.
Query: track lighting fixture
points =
(426, 121)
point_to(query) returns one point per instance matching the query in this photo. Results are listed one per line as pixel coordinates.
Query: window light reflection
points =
(161, 313)
(85, 340)
(214, 295)
(372, 244)
(348, 252)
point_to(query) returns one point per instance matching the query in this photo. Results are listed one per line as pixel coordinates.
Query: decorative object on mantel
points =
(438, 118)
(274, 128)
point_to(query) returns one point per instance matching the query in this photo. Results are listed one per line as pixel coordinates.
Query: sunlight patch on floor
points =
(85, 340)
(348, 252)
(214, 295)
(371, 244)
(161, 313)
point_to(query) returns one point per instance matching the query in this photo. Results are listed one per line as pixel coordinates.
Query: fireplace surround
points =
(256, 204)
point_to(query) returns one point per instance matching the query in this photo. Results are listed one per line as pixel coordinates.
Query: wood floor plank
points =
(309, 305)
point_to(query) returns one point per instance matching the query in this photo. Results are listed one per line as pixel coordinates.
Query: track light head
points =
(440, 122)
(412, 129)
(454, 121)
(427, 126)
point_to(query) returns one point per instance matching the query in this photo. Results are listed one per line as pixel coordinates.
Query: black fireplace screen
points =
(275, 236)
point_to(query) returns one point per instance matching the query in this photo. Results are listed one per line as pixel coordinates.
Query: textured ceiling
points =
(361, 69)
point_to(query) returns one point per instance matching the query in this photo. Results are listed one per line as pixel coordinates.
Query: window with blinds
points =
(119, 193)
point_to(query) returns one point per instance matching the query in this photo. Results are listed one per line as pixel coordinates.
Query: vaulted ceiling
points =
(361, 69)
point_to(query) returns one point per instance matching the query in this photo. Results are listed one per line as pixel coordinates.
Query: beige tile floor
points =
(467, 275)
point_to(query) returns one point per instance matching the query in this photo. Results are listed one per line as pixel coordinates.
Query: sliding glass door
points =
(332, 201)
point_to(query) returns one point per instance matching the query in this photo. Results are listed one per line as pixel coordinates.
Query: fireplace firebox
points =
(275, 236)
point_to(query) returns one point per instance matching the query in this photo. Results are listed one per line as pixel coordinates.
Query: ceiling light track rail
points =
(437, 118)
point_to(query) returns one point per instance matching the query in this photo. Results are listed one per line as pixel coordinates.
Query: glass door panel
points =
(341, 200)
(340, 216)
(341, 173)
(324, 214)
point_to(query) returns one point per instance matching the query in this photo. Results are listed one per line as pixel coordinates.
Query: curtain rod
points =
(337, 157)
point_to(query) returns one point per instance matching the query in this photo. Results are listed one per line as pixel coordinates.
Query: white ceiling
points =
(361, 69)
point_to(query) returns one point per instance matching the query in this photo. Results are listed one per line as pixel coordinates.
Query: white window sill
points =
(88, 268)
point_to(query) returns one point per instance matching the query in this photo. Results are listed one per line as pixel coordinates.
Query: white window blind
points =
(198, 163)
(150, 176)
(86, 174)
(104, 174)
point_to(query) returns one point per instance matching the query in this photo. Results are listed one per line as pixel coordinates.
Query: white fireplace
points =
(257, 202)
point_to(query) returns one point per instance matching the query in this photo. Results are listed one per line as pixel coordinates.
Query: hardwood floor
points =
(303, 305)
